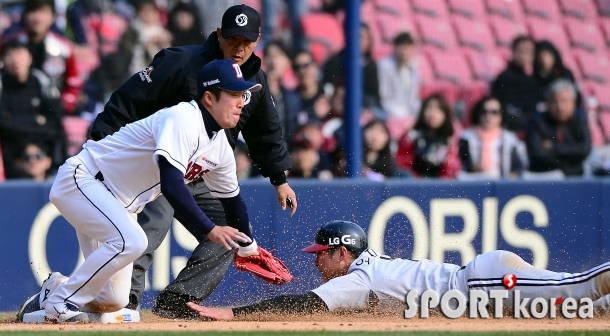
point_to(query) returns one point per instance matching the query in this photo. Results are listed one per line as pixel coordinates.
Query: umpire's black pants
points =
(208, 263)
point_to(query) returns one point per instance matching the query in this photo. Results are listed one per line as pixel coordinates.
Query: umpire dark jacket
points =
(171, 79)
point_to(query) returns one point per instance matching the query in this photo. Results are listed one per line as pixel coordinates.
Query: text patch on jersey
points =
(194, 171)
(145, 74)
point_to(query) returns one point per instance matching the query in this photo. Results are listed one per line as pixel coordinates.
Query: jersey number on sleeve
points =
(368, 259)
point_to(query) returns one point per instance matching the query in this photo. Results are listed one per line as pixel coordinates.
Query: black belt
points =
(99, 176)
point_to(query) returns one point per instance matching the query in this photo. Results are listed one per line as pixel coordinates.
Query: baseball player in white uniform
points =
(98, 190)
(356, 277)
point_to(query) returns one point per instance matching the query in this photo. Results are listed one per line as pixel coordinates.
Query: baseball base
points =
(122, 316)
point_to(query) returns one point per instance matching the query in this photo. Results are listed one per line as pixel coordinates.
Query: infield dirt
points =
(336, 322)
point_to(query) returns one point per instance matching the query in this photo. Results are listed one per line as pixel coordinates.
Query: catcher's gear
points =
(265, 266)
(339, 233)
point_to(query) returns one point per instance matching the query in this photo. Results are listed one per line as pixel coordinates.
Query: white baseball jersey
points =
(387, 278)
(394, 278)
(128, 158)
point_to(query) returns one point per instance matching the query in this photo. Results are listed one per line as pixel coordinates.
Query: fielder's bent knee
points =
(136, 244)
(53, 195)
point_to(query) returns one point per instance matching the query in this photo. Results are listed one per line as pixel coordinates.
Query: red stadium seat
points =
(486, 66)
(581, 9)
(87, 59)
(506, 31)
(314, 5)
(368, 12)
(474, 9)
(552, 31)
(570, 63)
(430, 84)
(381, 48)
(425, 69)
(474, 34)
(508, 9)
(390, 26)
(585, 35)
(324, 34)
(436, 33)
(595, 128)
(595, 67)
(398, 8)
(602, 93)
(451, 67)
(546, 9)
(604, 24)
(604, 120)
(435, 8)
(76, 129)
(256, 4)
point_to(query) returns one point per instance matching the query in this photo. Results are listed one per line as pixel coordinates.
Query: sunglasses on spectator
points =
(29, 157)
(492, 111)
(300, 66)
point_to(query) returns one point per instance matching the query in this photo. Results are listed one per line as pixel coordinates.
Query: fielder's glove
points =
(265, 266)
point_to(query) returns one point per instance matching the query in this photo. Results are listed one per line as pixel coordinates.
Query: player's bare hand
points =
(213, 313)
(286, 198)
(228, 237)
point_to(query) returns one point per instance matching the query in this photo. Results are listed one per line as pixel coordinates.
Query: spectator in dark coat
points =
(185, 24)
(287, 102)
(517, 88)
(560, 138)
(29, 107)
(304, 157)
(314, 103)
(333, 69)
(549, 67)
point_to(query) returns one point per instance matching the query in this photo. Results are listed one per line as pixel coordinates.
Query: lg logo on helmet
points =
(346, 240)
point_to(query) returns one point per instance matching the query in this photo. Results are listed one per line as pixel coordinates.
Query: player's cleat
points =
(133, 302)
(65, 312)
(31, 305)
(37, 302)
(172, 305)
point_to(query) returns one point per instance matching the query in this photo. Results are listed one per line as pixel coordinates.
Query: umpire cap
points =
(339, 233)
(241, 20)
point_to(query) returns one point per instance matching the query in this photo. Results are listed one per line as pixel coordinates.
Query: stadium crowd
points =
(532, 119)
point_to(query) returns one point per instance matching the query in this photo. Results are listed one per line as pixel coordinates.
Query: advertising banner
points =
(561, 226)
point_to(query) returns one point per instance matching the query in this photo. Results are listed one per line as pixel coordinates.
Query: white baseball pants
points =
(109, 238)
(487, 271)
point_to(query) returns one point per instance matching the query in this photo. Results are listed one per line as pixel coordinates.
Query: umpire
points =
(168, 80)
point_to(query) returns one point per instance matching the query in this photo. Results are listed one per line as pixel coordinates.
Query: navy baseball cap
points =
(224, 75)
(241, 20)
